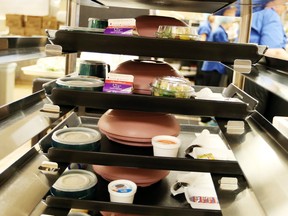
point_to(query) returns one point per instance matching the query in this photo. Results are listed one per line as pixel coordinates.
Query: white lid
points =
(78, 81)
(76, 136)
(75, 180)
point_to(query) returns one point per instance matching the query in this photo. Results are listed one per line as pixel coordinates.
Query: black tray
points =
(197, 107)
(198, 6)
(276, 63)
(77, 41)
(112, 153)
(155, 199)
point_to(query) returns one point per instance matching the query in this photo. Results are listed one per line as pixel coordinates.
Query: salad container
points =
(170, 86)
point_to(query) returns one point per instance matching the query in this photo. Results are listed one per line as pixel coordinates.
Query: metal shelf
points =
(75, 41)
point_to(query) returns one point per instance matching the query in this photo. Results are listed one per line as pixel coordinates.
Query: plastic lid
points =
(79, 81)
(122, 187)
(75, 180)
(76, 136)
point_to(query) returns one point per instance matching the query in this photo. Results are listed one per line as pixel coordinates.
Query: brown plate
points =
(124, 138)
(130, 143)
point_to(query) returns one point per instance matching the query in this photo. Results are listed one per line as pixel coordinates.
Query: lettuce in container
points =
(170, 86)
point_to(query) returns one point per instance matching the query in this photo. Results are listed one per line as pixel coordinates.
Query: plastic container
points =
(76, 183)
(77, 138)
(122, 191)
(94, 68)
(177, 32)
(80, 83)
(167, 146)
(169, 86)
(97, 23)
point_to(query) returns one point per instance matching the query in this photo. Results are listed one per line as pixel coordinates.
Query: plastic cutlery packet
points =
(208, 140)
(202, 197)
(184, 180)
(198, 189)
(209, 146)
(207, 94)
(212, 154)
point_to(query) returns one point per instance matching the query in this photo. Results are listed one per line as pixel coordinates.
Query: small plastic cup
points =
(166, 145)
(122, 191)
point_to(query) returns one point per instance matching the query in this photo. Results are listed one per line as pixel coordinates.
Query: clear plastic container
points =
(177, 32)
(169, 86)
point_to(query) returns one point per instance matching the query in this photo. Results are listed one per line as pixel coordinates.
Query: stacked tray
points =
(238, 109)
(134, 156)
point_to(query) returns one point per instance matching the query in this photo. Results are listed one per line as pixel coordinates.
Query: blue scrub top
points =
(205, 28)
(267, 29)
(219, 35)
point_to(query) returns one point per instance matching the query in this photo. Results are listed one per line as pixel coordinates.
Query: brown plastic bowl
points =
(145, 72)
(147, 25)
(134, 124)
(141, 177)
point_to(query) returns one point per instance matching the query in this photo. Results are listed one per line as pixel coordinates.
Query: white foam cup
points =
(122, 191)
(166, 145)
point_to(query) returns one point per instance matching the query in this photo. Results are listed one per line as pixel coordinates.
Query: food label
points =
(122, 188)
(203, 199)
(119, 83)
(119, 30)
(121, 26)
(122, 22)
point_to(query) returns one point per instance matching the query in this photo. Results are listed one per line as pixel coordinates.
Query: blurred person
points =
(267, 27)
(205, 28)
(211, 72)
(204, 31)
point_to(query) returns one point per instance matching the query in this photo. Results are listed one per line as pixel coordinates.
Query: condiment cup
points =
(122, 191)
(166, 145)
